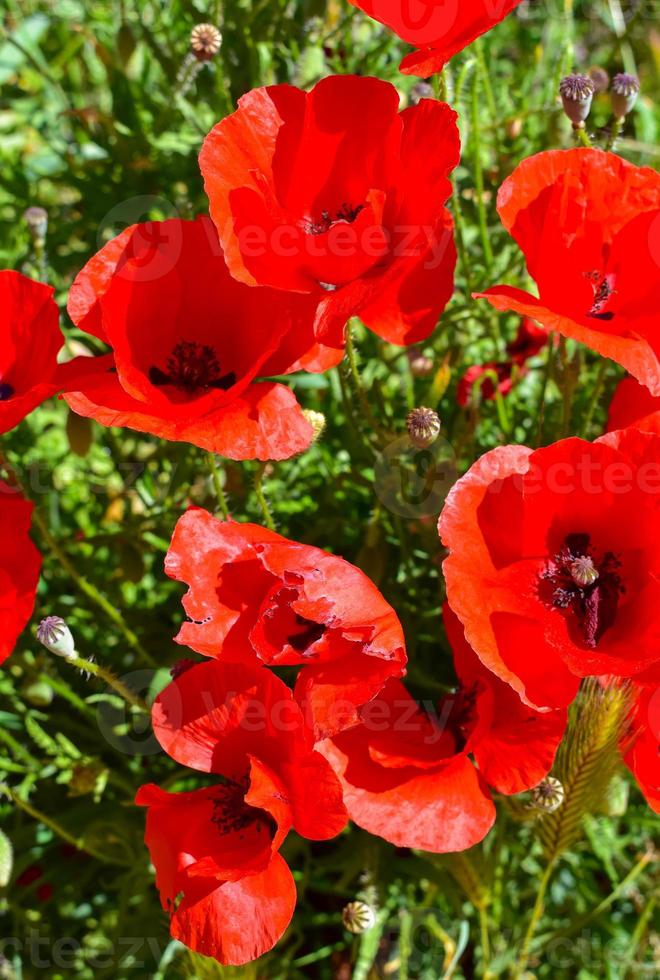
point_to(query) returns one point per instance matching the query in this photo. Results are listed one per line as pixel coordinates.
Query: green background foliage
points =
(101, 119)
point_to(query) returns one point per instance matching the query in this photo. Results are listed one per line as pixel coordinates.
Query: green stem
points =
(595, 396)
(358, 385)
(90, 590)
(537, 912)
(489, 92)
(19, 751)
(261, 497)
(615, 132)
(547, 374)
(91, 667)
(217, 485)
(57, 828)
(479, 174)
(582, 136)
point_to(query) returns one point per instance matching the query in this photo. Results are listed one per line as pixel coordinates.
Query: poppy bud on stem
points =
(625, 90)
(56, 636)
(576, 93)
(423, 426)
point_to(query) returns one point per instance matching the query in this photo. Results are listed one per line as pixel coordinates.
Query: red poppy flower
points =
(589, 225)
(256, 597)
(552, 567)
(529, 340)
(228, 892)
(337, 194)
(642, 742)
(20, 565)
(30, 340)
(485, 376)
(438, 28)
(407, 775)
(633, 404)
(190, 344)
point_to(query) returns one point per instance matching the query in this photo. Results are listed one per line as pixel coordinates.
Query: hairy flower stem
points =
(217, 485)
(479, 173)
(261, 498)
(615, 132)
(358, 385)
(57, 828)
(582, 137)
(91, 667)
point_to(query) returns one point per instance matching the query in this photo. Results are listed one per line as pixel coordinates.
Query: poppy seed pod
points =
(358, 917)
(423, 426)
(625, 89)
(37, 221)
(576, 94)
(205, 41)
(548, 795)
(56, 636)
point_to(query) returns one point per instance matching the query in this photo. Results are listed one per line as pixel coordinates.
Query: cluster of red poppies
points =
(325, 205)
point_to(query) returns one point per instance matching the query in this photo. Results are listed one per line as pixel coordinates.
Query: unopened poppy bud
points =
(317, 422)
(358, 917)
(420, 365)
(576, 94)
(423, 426)
(37, 221)
(583, 571)
(56, 637)
(205, 41)
(548, 795)
(600, 78)
(625, 89)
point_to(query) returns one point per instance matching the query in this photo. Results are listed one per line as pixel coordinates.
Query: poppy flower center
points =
(347, 214)
(585, 587)
(192, 367)
(603, 290)
(462, 718)
(6, 391)
(232, 815)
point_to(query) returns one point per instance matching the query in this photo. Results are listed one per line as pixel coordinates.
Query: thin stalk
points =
(479, 174)
(595, 396)
(91, 667)
(57, 828)
(261, 497)
(217, 485)
(537, 912)
(615, 132)
(90, 590)
(358, 385)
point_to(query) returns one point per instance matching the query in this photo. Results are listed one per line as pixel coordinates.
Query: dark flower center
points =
(346, 213)
(603, 290)
(6, 391)
(231, 814)
(585, 587)
(462, 717)
(193, 367)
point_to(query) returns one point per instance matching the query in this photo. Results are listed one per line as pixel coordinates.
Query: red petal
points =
(20, 565)
(238, 921)
(441, 28)
(438, 810)
(265, 423)
(633, 404)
